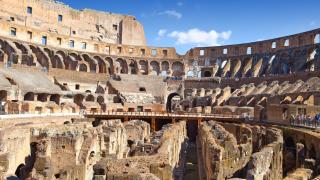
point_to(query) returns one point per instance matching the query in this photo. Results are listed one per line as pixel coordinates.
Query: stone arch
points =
(78, 99)
(29, 96)
(57, 61)
(271, 63)
(82, 67)
(298, 100)
(100, 100)
(143, 67)
(312, 152)
(133, 66)
(71, 61)
(165, 68)
(41, 57)
(10, 51)
(19, 170)
(27, 57)
(101, 64)
(317, 38)
(91, 62)
(55, 98)
(236, 65)
(109, 62)
(169, 101)
(121, 66)
(155, 68)
(90, 98)
(309, 100)
(226, 67)
(286, 100)
(246, 67)
(285, 66)
(177, 69)
(42, 97)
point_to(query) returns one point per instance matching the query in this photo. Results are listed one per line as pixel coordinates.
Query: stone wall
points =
(161, 162)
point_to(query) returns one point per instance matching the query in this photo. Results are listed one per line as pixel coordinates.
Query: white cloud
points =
(180, 3)
(172, 13)
(162, 32)
(200, 37)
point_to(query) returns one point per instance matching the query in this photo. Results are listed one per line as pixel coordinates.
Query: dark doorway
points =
(170, 101)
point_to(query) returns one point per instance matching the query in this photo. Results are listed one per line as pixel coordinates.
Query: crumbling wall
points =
(14, 149)
(221, 153)
(267, 163)
(161, 164)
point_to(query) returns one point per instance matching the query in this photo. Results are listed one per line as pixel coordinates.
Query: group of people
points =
(305, 120)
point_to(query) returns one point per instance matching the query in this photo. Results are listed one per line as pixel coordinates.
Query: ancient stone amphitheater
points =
(82, 97)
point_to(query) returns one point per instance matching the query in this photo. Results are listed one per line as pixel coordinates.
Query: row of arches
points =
(30, 55)
(282, 62)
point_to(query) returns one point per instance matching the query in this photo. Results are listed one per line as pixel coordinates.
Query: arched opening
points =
(29, 96)
(57, 61)
(155, 67)
(286, 100)
(289, 155)
(142, 89)
(133, 67)
(312, 152)
(110, 65)
(83, 68)
(317, 39)
(190, 74)
(90, 98)
(3, 96)
(92, 63)
(121, 66)
(165, 69)
(78, 99)
(71, 62)
(18, 171)
(207, 74)
(55, 98)
(177, 69)
(101, 64)
(172, 100)
(42, 97)
(143, 67)
(298, 100)
(100, 100)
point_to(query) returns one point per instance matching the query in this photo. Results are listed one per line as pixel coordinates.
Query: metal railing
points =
(306, 123)
(164, 114)
(29, 115)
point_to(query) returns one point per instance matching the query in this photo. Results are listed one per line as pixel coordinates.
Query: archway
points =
(155, 68)
(171, 100)
(29, 96)
(207, 74)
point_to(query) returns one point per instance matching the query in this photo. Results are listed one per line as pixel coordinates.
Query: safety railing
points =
(17, 116)
(163, 114)
(306, 123)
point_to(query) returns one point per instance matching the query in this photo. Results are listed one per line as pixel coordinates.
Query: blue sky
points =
(188, 23)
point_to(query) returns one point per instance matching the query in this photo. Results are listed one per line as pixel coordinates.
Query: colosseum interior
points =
(83, 97)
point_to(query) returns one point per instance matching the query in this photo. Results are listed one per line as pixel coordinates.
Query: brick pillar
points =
(300, 155)
(153, 124)
(173, 120)
(199, 121)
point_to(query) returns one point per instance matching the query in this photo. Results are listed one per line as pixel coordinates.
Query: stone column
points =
(153, 124)
(300, 155)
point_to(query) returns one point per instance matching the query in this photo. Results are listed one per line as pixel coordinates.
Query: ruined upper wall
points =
(260, 47)
(43, 16)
